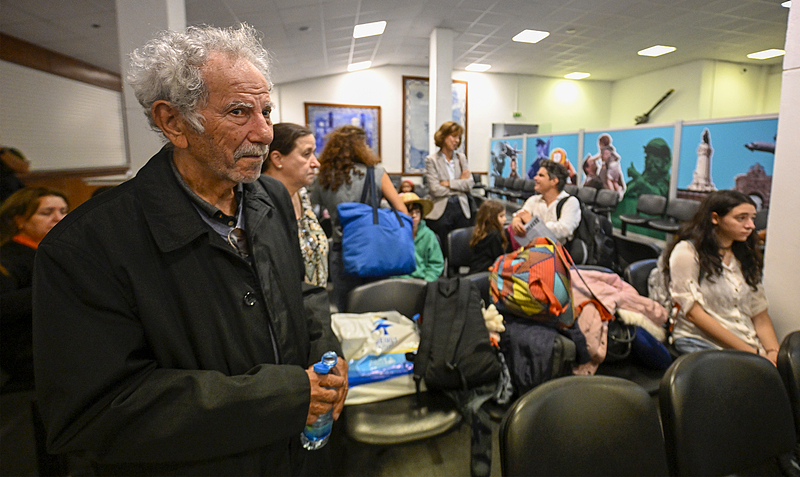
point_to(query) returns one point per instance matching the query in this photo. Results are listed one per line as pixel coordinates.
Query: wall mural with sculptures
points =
(698, 156)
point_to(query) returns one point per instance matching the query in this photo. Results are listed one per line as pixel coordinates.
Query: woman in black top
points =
(488, 240)
(25, 218)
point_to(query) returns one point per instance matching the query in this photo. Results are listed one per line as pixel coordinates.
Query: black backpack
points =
(454, 349)
(593, 241)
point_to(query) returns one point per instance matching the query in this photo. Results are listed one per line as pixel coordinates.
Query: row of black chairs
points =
(413, 417)
(512, 188)
(654, 212)
(600, 201)
(721, 413)
(458, 254)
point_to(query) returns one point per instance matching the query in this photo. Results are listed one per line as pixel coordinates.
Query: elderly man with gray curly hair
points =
(171, 329)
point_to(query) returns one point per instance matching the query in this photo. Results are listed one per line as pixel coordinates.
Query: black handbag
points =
(620, 340)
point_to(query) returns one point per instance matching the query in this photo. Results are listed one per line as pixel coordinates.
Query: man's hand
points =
(466, 174)
(341, 369)
(444, 184)
(518, 222)
(323, 399)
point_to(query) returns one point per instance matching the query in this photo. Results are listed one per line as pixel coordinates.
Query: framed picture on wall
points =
(416, 131)
(322, 118)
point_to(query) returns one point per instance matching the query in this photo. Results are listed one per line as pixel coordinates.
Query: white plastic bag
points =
(375, 346)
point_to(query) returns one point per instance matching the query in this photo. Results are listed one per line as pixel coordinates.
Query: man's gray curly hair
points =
(168, 67)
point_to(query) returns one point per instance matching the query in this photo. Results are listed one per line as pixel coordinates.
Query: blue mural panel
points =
(561, 148)
(728, 155)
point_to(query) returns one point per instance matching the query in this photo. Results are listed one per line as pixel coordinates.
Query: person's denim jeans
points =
(690, 345)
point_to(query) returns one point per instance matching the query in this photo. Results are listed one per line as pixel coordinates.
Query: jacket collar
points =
(173, 220)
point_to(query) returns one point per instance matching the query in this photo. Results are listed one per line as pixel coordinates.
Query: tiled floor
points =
(444, 456)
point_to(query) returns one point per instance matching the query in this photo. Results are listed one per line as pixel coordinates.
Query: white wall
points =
(60, 123)
(557, 105)
(635, 96)
(782, 260)
(703, 90)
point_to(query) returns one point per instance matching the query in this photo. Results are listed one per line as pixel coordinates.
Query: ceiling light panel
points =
(530, 36)
(359, 66)
(657, 50)
(577, 75)
(369, 29)
(479, 67)
(765, 54)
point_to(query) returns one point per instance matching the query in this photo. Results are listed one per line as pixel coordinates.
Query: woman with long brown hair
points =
(489, 239)
(713, 269)
(343, 166)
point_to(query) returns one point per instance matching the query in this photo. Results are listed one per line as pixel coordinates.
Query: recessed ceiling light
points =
(362, 65)
(478, 67)
(763, 55)
(369, 29)
(531, 36)
(787, 4)
(657, 50)
(577, 75)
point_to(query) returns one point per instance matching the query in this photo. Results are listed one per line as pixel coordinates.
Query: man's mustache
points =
(251, 150)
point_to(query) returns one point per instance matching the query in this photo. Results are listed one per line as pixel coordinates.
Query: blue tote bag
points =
(375, 242)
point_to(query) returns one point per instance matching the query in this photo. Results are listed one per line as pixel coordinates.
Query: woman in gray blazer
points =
(450, 182)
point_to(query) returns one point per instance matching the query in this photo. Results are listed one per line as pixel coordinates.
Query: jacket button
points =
(250, 299)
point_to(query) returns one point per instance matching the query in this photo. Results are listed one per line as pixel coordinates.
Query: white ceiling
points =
(311, 38)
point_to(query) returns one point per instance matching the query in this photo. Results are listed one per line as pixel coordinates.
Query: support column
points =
(137, 23)
(783, 247)
(441, 81)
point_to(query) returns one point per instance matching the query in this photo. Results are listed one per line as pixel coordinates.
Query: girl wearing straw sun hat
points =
(430, 261)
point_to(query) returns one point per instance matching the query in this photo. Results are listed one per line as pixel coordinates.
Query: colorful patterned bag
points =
(534, 282)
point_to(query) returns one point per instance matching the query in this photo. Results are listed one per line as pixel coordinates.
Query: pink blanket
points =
(614, 293)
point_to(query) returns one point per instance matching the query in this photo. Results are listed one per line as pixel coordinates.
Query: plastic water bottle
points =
(316, 435)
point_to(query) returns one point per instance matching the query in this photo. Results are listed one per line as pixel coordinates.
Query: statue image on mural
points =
(653, 179)
(755, 182)
(499, 158)
(701, 178)
(603, 169)
(542, 152)
(558, 154)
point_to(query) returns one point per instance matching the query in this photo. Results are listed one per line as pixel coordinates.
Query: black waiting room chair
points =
(406, 418)
(583, 425)
(587, 195)
(605, 202)
(458, 252)
(514, 190)
(725, 412)
(789, 367)
(637, 274)
(648, 207)
(678, 212)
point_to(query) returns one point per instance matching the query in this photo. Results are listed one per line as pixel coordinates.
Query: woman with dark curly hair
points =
(343, 166)
(26, 216)
(713, 274)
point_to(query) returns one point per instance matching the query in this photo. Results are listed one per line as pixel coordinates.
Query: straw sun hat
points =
(412, 198)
